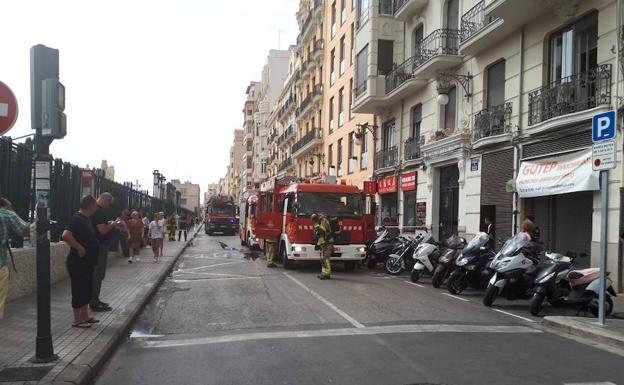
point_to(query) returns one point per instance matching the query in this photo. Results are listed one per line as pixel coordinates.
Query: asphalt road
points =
(224, 318)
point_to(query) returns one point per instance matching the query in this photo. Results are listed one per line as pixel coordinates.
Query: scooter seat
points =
(581, 277)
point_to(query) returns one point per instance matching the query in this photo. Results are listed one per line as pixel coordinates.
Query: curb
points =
(84, 368)
(585, 329)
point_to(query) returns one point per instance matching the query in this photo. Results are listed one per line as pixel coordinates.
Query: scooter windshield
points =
(476, 243)
(514, 244)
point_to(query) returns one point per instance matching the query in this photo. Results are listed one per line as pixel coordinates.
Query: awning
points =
(559, 174)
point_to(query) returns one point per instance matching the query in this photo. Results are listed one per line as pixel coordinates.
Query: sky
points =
(150, 84)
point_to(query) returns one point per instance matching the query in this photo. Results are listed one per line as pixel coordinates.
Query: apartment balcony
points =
(405, 9)
(437, 52)
(308, 141)
(286, 135)
(313, 98)
(313, 17)
(309, 68)
(386, 158)
(287, 106)
(411, 149)
(371, 97)
(492, 125)
(570, 100)
(285, 164)
(319, 47)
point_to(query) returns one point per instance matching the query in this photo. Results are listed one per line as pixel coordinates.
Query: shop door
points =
(449, 200)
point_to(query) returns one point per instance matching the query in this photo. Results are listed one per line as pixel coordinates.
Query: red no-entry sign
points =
(8, 109)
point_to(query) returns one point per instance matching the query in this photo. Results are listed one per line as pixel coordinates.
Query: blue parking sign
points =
(603, 126)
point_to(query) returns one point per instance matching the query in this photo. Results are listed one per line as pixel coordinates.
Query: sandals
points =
(82, 325)
(92, 320)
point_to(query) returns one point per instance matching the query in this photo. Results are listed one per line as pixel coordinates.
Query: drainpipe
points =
(398, 169)
(516, 200)
(618, 7)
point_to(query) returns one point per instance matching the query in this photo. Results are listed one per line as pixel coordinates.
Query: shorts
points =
(81, 277)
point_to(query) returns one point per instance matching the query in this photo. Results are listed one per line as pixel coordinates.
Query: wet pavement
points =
(222, 317)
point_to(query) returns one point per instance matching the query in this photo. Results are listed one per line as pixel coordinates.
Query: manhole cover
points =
(34, 373)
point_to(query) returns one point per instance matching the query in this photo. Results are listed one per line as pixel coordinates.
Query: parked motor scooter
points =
(579, 288)
(426, 257)
(515, 269)
(403, 260)
(377, 251)
(470, 266)
(446, 263)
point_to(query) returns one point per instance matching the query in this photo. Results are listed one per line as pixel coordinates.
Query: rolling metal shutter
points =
(497, 169)
(578, 140)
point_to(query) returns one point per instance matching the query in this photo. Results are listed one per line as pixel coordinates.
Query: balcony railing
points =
(493, 121)
(411, 150)
(385, 7)
(474, 21)
(386, 157)
(571, 94)
(287, 103)
(398, 4)
(439, 42)
(286, 134)
(360, 88)
(318, 45)
(307, 138)
(285, 164)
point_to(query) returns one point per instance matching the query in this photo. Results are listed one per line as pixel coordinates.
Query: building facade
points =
(232, 180)
(189, 195)
(472, 96)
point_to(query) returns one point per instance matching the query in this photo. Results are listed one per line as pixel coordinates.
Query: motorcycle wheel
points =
(438, 277)
(415, 276)
(394, 266)
(490, 295)
(593, 306)
(456, 283)
(536, 303)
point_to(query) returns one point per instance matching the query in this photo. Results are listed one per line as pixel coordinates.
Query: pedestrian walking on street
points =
(157, 234)
(83, 254)
(325, 242)
(182, 227)
(9, 221)
(104, 230)
(146, 223)
(162, 223)
(171, 227)
(123, 233)
(135, 228)
(270, 252)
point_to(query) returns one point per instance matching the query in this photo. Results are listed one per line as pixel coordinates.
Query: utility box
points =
(53, 119)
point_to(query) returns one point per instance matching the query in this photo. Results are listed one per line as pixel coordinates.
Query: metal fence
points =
(16, 184)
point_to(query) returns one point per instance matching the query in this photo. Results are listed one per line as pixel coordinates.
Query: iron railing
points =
(571, 94)
(387, 157)
(360, 88)
(386, 7)
(493, 121)
(306, 139)
(287, 103)
(439, 42)
(286, 134)
(474, 21)
(398, 4)
(285, 164)
(411, 149)
(363, 14)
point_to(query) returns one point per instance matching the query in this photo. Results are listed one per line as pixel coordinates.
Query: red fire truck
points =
(247, 220)
(283, 214)
(221, 215)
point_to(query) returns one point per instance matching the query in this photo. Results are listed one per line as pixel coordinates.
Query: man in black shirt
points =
(104, 229)
(80, 236)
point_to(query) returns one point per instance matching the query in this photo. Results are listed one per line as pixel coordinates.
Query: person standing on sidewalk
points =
(123, 234)
(9, 221)
(325, 241)
(171, 227)
(135, 228)
(157, 233)
(146, 223)
(104, 229)
(182, 227)
(83, 254)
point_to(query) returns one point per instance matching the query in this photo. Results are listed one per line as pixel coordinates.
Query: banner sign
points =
(370, 187)
(387, 185)
(408, 181)
(557, 175)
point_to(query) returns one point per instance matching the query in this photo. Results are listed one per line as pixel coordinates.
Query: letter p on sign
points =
(603, 126)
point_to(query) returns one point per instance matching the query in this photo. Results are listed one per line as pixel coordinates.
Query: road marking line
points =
(456, 297)
(344, 315)
(589, 383)
(213, 279)
(214, 265)
(514, 315)
(415, 284)
(181, 272)
(370, 330)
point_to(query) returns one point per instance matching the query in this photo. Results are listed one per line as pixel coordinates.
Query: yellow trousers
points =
(270, 251)
(4, 288)
(326, 252)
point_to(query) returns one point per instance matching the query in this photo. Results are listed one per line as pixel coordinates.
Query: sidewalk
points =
(127, 287)
(610, 334)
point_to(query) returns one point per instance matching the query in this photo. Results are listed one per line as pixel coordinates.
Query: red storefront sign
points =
(370, 187)
(387, 185)
(408, 181)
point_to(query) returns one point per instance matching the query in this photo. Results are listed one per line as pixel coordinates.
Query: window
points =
(364, 151)
(339, 158)
(331, 115)
(385, 7)
(333, 20)
(341, 107)
(351, 116)
(249, 163)
(452, 14)
(450, 109)
(352, 45)
(263, 166)
(332, 66)
(343, 11)
(409, 209)
(574, 49)
(384, 56)
(417, 37)
(416, 120)
(496, 84)
(361, 71)
(350, 153)
(388, 134)
(342, 55)
(363, 12)
(330, 159)
(249, 146)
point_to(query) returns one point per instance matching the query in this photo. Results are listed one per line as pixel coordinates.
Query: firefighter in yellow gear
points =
(270, 252)
(325, 241)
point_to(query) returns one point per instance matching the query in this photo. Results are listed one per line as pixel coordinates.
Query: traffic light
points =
(53, 119)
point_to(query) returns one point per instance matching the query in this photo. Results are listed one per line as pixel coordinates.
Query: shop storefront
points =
(408, 187)
(496, 201)
(558, 192)
(387, 190)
